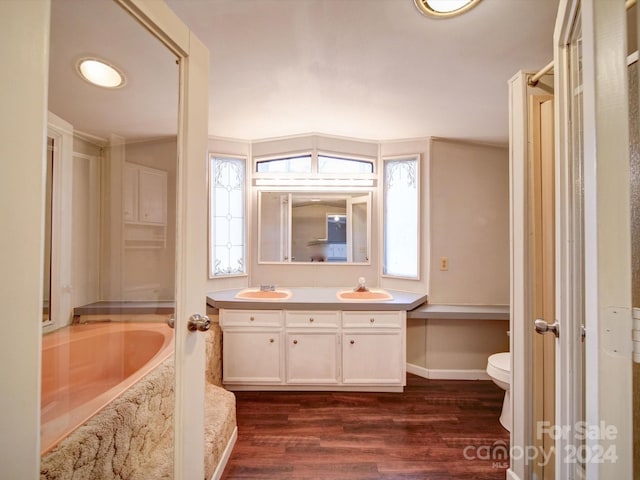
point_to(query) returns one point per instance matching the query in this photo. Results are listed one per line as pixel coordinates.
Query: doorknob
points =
(543, 327)
(171, 321)
(199, 323)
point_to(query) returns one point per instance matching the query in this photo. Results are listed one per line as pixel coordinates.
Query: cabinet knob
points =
(295, 342)
(311, 319)
(352, 342)
(271, 340)
(251, 319)
(372, 319)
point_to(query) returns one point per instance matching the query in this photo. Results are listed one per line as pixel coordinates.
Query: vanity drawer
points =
(250, 318)
(372, 319)
(312, 319)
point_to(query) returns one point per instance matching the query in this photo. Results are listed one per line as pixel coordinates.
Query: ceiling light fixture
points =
(100, 73)
(444, 8)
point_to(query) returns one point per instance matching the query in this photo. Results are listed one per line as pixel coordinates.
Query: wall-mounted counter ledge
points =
(461, 312)
(315, 298)
(113, 310)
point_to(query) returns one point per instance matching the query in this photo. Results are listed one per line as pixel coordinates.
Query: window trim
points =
(210, 270)
(381, 217)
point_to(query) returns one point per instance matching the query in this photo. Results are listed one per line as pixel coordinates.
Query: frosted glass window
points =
(296, 164)
(401, 222)
(227, 239)
(329, 164)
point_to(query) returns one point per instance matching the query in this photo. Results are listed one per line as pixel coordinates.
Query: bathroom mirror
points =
(312, 227)
(112, 222)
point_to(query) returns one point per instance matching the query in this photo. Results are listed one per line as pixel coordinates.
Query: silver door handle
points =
(543, 327)
(171, 321)
(200, 323)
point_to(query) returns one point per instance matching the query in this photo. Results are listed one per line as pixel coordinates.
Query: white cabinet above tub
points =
(313, 350)
(144, 207)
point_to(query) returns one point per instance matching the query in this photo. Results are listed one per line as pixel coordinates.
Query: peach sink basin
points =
(255, 294)
(371, 296)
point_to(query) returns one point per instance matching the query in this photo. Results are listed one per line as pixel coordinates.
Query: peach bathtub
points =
(84, 367)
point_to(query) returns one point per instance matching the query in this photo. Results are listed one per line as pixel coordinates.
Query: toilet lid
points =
(499, 366)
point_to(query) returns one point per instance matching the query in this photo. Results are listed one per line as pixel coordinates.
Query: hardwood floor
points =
(431, 431)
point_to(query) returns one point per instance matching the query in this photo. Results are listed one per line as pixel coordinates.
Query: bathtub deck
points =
(100, 311)
(160, 306)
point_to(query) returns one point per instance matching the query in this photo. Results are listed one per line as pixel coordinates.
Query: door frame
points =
(24, 37)
(521, 320)
(191, 229)
(607, 275)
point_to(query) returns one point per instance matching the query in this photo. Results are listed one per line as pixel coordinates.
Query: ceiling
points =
(370, 69)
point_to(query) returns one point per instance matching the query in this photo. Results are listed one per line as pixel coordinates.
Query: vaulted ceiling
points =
(372, 69)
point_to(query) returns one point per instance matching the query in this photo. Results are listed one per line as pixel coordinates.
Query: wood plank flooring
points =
(431, 431)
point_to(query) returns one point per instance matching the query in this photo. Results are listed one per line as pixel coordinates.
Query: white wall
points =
(469, 224)
(469, 190)
(149, 267)
(24, 43)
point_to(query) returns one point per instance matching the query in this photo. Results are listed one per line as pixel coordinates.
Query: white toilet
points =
(499, 369)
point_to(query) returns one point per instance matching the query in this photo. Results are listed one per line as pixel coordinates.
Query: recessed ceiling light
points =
(101, 73)
(444, 8)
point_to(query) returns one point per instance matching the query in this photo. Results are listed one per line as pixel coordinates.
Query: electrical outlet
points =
(444, 263)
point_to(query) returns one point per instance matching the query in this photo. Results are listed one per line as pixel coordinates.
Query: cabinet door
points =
(312, 357)
(251, 356)
(152, 196)
(130, 194)
(372, 357)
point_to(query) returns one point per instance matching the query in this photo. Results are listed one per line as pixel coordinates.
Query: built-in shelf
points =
(139, 235)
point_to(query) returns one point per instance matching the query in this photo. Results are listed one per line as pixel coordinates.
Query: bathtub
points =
(85, 367)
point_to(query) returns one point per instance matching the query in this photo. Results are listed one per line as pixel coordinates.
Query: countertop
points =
(461, 312)
(315, 298)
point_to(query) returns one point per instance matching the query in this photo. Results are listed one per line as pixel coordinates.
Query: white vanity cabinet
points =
(313, 350)
(312, 353)
(373, 350)
(252, 349)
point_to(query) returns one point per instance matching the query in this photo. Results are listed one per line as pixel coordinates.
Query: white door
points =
(24, 36)
(593, 404)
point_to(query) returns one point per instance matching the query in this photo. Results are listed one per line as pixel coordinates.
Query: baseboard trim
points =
(446, 374)
(217, 474)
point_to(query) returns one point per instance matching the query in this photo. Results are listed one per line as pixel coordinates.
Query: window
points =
(227, 245)
(313, 167)
(401, 217)
(296, 164)
(330, 164)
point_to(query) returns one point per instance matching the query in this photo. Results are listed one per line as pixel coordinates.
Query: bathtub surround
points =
(132, 437)
(129, 436)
